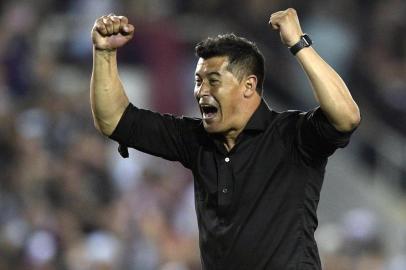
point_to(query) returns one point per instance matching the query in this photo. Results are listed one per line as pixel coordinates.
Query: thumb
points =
(128, 29)
(273, 24)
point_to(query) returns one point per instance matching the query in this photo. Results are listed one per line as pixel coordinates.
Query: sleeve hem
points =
(120, 133)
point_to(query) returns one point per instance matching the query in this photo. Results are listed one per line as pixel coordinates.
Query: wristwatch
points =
(304, 42)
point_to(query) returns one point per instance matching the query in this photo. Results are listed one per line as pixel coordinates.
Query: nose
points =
(202, 90)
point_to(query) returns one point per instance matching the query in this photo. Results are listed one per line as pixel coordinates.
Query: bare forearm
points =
(330, 91)
(107, 96)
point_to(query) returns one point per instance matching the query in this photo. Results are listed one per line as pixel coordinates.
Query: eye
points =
(198, 81)
(214, 82)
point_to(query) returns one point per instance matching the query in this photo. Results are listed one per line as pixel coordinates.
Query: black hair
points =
(244, 57)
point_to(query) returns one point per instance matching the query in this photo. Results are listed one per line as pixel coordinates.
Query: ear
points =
(250, 86)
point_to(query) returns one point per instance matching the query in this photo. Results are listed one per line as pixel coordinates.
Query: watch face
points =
(304, 42)
(307, 39)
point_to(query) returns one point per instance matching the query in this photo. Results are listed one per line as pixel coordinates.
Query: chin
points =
(212, 128)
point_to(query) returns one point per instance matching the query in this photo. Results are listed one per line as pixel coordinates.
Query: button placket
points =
(225, 183)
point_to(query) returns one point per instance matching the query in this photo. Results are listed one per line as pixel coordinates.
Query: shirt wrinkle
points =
(254, 206)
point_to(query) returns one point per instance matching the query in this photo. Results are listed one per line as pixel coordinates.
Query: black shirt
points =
(256, 205)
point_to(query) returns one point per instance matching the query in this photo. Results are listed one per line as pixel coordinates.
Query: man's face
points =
(219, 94)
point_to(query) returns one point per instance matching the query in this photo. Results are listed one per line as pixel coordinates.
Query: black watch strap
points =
(304, 42)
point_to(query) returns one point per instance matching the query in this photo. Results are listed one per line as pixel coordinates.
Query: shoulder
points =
(190, 124)
(192, 131)
(292, 121)
(193, 122)
(288, 118)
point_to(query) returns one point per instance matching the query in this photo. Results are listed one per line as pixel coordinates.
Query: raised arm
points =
(107, 96)
(329, 89)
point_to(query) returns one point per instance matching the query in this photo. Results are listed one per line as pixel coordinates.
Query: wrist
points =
(295, 41)
(103, 50)
(304, 42)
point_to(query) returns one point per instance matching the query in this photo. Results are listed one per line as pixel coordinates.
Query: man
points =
(257, 173)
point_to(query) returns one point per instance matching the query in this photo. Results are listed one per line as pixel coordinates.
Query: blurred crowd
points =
(67, 199)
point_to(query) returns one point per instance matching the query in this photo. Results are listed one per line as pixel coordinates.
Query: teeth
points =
(208, 111)
(208, 115)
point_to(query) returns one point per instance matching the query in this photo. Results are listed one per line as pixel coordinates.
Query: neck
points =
(231, 136)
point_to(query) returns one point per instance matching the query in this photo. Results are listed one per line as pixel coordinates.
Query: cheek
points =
(195, 92)
(229, 97)
(234, 108)
(231, 105)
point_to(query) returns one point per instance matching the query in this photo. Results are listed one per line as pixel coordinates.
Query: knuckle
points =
(100, 28)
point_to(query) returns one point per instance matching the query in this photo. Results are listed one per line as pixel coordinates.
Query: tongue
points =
(209, 114)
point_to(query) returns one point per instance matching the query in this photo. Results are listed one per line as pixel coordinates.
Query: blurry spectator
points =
(67, 201)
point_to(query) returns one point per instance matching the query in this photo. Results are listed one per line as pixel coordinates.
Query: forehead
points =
(212, 64)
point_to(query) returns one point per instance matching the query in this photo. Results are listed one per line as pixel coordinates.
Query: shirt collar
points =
(261, 118)
(259, 121)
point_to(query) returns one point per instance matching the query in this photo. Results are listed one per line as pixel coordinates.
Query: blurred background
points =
(67, 199)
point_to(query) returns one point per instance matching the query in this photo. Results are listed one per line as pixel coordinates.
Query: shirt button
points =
(225, 190)
(227, 159)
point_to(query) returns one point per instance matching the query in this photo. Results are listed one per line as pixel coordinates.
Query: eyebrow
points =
(210, 74)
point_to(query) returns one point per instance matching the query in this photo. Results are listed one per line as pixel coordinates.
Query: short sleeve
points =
(317, 137)
(163, 135)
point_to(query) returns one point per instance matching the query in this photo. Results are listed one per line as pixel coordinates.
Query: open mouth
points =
(208, 111)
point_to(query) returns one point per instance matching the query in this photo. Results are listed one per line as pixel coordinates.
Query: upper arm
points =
(317, 137)
(165, 136)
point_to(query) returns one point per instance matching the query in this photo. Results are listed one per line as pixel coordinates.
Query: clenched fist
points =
(287, 23)
(111, 32)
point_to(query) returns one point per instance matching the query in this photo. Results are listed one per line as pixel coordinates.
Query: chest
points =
(258, 168)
